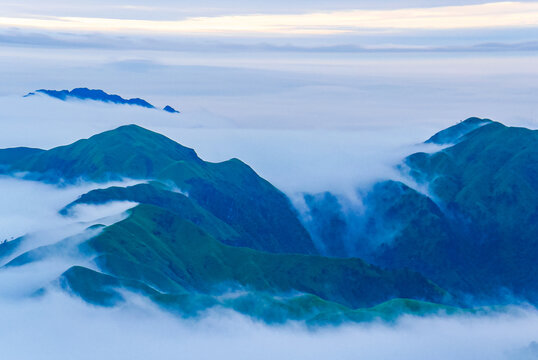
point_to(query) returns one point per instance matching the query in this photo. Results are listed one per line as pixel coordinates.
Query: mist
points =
(57, 326)
(30, 218)
(294, 160)
(28, 207)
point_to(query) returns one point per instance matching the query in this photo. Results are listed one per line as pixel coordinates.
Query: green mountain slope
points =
(488, 183)
(155, 193)
(231, 191)
(171, 254)
(105, 290)
(475, 233)
(8, 156)
(486, 193)
(453, 134)
(128, 151)
(398, 228)
(406, 229)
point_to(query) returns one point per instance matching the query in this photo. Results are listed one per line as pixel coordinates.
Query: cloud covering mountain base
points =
(55, 325)
(59, 327)
(63, 327)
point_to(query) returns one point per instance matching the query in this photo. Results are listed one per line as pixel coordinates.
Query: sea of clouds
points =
(60, 326)
(322, 122)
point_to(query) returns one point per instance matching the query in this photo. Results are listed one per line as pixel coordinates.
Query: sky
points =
(336, 26)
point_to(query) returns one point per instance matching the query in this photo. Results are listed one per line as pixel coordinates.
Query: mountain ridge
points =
(201, 229)
(475, 231)
(97, 95)
(227, 190)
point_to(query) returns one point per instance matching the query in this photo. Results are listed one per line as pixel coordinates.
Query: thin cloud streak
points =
(483, 16)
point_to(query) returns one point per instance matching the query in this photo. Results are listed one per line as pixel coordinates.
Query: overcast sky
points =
(284, 64)
(393, 24)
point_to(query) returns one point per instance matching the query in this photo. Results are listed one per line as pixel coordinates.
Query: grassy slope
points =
(171, 254)
(419, 233)
(453, 134)
(105, 290)
(157, 194)
(486, 187)
(261, 214)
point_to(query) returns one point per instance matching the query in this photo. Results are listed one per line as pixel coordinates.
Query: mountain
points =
(470, 221)
(91, 94)
(97, 95)
(171, 254)
(203, 235)
(261, 216)
(170, 109)
(160, 255)
(454, 133)
(328, 225)
(158, 194)
(487, 184)
(15, 154)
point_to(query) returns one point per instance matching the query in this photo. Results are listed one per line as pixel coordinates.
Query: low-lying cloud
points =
(60, 327)
(296, 160)
(29, 216)
(307, 160)
(29, 207)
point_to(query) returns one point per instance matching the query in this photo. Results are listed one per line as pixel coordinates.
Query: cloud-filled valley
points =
(61, 326)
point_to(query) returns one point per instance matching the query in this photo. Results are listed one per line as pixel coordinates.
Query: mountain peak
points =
(170, 109)
(132, 128)
(453, 134)
(83, 93)
(127, 151)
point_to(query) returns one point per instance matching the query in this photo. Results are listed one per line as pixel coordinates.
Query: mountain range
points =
(466, 219)
(97, 95)
(217, 234)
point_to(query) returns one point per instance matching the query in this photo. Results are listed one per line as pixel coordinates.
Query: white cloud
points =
(31, 209)
(293, 160)
(30, 206)
(490, 15)
(59, 328)
(300, 157)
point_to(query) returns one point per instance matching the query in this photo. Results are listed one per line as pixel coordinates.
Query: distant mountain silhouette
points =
(97, 95)
(170, 109)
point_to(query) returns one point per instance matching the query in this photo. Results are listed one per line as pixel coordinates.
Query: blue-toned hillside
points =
(97, 95)
(472, 229)
(170, 109)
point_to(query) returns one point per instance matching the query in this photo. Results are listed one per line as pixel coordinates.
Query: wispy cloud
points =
(482, 16)
(121, 42)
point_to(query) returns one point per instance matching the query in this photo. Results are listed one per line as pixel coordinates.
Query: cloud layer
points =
(63, 328)
(490, 15)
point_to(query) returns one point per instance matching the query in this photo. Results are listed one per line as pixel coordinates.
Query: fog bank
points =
(59, 327)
